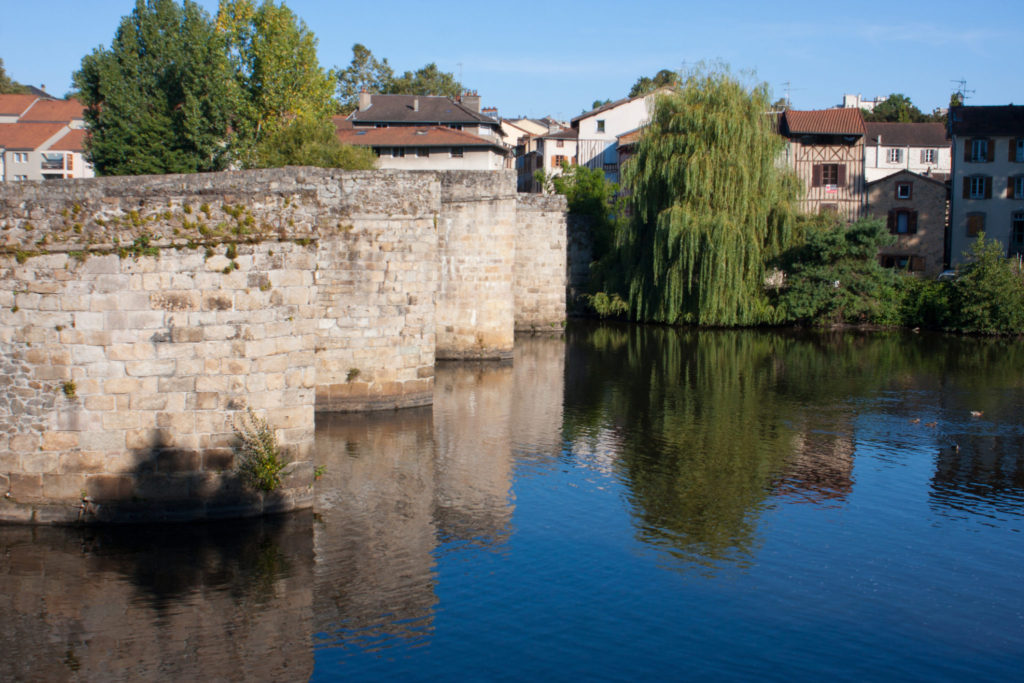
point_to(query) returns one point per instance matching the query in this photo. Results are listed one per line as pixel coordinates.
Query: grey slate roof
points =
(906, 134)
(998, 120)
(432, 109)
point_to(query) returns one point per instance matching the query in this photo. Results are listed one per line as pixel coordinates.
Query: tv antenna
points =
(962, 90)
(789, 89)
(459, 64)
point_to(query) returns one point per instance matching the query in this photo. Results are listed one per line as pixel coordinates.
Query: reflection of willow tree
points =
(708, 422)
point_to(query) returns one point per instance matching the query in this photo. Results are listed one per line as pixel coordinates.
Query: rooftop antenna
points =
(789, 93)
(459, 64)
(962, 90)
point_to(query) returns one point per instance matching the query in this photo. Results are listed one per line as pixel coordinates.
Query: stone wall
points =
(476, 245)
(140, 318)
(540, 264)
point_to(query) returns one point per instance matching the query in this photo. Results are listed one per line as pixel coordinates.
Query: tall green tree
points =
(273, 56)
(896, 108)
(8, 86)
(364, 72)
(711, 205)
(311, 142)
(428, 80)
(161, 98)
(663, 79)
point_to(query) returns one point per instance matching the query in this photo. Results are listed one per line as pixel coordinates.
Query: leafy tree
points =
(311, 142)
(428, 80)
(662, 79)
(988, 297)
(599, 103)
(589, 193)
(161, 98)
(365, 71)
(8, 86)
(835, 277)
(896, 108)
(711, 205)
(273, 55)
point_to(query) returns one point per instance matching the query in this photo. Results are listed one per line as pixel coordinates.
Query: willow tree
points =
(712, 205)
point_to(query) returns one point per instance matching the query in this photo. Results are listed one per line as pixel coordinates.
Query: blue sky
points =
(537, 58)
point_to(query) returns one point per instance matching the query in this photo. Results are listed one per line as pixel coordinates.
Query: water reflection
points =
(708, 428)
(193, 602)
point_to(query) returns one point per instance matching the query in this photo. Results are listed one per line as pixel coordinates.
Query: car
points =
(947, 275)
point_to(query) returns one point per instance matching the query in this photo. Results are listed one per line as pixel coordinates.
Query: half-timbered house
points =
(826, 149)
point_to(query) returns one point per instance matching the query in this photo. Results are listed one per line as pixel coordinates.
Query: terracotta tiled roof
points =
(27, 136)
(15, 105)
(1001, 120)
(73, 141)
(906, 134)
(824, 122)
(431, 109)
(61, 111)
(413, 136)
(630, 137)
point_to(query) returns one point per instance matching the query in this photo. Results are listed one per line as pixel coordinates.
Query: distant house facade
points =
(859, 102)
(547, 152)
(599, 130)
(987, 189)
(913, 207)
(826, 150)
(918, 147)
(426, 132)
(42, 139)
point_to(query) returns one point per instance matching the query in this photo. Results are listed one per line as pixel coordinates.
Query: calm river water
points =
(624, 503)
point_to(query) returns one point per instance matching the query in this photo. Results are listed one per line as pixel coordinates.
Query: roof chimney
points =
(415, 104)
(471, 101)
(364, 100)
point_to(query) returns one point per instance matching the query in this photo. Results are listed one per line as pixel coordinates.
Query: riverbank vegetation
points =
(706, 232)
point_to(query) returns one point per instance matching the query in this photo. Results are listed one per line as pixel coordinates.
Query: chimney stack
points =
(364, 100)
(471, 100)
(415, 104)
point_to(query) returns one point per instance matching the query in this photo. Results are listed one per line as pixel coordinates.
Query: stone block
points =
(110, 487)
(83, 462)
(64, 487)
(26, 487)
(59, 441)
(150, 368)
(177, 423)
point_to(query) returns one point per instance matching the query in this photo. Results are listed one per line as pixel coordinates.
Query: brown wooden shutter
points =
(912, 223)
(816, 176)
(1009, 187)
(991, 150)
(842, 175)
(891, 221)
(967, 187)
(1013, 149)
(917, 263)
(988, 186)
(968, 142)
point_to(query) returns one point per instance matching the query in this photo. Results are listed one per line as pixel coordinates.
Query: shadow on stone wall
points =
(210, 601)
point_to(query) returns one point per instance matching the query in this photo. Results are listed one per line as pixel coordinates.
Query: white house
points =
(987, 193)
(598, 131)
(921, 148)
(548, 152)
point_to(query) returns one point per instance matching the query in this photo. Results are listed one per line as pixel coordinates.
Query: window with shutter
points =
(1018, 187)
(816, 175)
(1017, 150)
(841, 182)
(1016, 233)
(975, 224)
(978, 187)
(929, 156)
(980, 149)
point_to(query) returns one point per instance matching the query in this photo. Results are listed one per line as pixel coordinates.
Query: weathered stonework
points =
(139, 317)
(540, 263)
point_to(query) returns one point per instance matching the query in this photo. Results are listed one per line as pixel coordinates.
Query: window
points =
(423, 151)
(21, 157)
(21, 177)
(560, 143)
(397, 152)
(456, 152)
(1016, 234)
(902, 222)
(557, 161)
(977, 187)
(382, 151)
(1018, 187)
(1017, 149)
(380, 125)
(600, 125)
(979, 150)
(975, 224)
(829, 175)
(904, 190)
(894, 156)
(455, 126)
(929, 156)
(52, 162)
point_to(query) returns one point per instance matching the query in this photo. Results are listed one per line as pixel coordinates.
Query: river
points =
(622, 503)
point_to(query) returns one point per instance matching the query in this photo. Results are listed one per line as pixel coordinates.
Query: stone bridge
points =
(140, 317)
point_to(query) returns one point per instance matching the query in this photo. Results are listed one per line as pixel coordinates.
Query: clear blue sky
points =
(537, 58)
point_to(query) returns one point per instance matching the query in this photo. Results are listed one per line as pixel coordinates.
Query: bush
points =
(988, 297)
(258, 456)
(835, 277)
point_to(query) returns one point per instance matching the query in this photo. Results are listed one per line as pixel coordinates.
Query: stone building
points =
(914, 209)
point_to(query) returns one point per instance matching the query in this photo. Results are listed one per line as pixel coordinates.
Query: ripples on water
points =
(625, 503)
